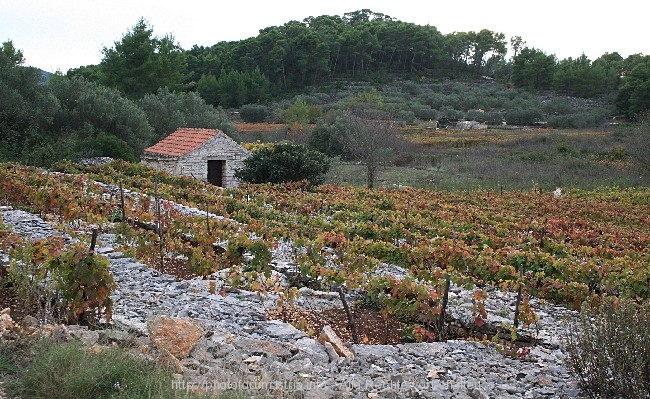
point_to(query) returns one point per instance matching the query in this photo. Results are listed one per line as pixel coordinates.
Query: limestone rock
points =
(6, 322)
(56, 332)
(169, 361)
(311, 348)
(331, 352)
(328, 335)
(83, 334)
(176, 335)
(477, 393)
(278, 329)
(263, 348)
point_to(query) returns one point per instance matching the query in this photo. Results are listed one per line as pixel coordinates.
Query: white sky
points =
(63, 34)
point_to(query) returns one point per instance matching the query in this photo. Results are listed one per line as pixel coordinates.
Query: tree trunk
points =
(371, 176)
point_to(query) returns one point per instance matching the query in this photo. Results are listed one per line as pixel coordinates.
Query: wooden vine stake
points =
(93, 240)
(445, 299)
(520, 288)
(122, 202)
(60, 210)
(207, 209)
(159, 224)
(519, 295)
(350, 316)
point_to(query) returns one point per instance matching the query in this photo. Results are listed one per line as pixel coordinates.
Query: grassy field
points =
(515, 159)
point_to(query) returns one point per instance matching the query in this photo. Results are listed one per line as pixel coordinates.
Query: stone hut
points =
(205, 154)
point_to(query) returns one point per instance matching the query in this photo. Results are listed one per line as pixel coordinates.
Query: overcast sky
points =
(63, 34)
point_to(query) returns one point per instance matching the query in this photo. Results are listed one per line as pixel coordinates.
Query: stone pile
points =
(228, 342)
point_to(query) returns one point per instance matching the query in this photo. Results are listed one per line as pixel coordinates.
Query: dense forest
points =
(146, 85)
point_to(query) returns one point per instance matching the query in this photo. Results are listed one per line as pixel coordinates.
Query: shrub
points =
(557, 106)
(301, 112)
(325, 139)
(252, 113)
(284, 163)
(406, 116)
(434, 100)
(450, 114)
(69, 370)
(524, 116)
(424, 112)
(494, 118)
(609, 352)
(107, 145)
(476, 115)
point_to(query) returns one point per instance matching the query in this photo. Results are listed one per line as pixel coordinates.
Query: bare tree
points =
(368, 135)
(640, 143)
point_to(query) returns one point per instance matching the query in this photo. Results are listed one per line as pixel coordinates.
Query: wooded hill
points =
(146, 86)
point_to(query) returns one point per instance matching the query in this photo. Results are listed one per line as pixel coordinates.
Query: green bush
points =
(434, 100)
(252, 113)
(524, 116)
(406, 116)
(301, 112)
(557, 106)
(609, 352)
(424, 112)
(284, 162)
(325, 139)
(449, 113)
(107, 145)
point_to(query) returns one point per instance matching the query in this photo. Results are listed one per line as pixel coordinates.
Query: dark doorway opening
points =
(215, 172)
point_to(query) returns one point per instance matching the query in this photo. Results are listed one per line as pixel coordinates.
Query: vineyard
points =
(562, 247)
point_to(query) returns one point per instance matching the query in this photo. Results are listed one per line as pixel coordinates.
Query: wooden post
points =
(519, 295)
(351, 323)
(122, 201)
(445, 298)
(443, 309)
(159, 224)
(60, 210)
(207, 213)
(93, 240)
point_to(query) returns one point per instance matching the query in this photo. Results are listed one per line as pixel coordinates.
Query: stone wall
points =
(221, 148)
(161, 162)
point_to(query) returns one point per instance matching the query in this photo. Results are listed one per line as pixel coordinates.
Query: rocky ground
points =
(217, 342)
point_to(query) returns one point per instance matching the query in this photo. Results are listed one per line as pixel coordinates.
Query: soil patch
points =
(177, 267)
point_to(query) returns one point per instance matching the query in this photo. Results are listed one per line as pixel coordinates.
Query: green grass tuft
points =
(70, 371)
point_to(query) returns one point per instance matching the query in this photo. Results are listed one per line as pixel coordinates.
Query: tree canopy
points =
(141, 63)
(42, 121)
(360, 45)
(634, 96)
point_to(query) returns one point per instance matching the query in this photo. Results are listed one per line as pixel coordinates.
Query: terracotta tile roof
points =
(182, 141)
